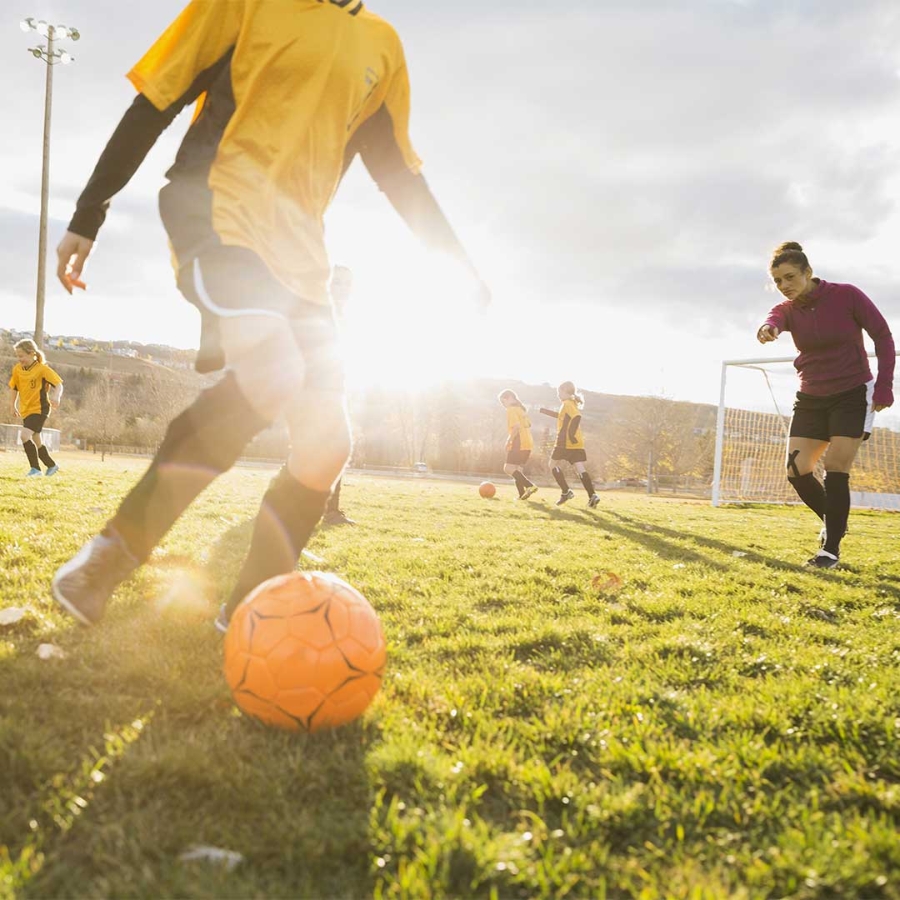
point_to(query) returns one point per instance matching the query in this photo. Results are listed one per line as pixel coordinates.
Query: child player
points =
(519, 444)
(570, 443)
(38, 389)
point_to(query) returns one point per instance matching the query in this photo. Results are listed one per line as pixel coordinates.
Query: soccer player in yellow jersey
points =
(519, 444)
(37, 389)
(287, 94)
(570, 443)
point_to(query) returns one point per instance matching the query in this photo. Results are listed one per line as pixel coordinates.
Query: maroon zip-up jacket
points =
(827, 330)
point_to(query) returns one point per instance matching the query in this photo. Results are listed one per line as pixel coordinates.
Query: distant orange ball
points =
(304, 652)
(487, 489)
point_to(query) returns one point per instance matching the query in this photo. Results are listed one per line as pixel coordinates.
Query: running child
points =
(838, 397)
(288, 94)
(519, 444)
(570, 443)
(38, 389)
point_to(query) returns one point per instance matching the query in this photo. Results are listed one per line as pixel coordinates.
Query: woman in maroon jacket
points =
(837, 398)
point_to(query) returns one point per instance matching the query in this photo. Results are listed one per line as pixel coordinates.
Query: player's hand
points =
(767, 333)
(880, 406)
(72, 254)
(53, 405)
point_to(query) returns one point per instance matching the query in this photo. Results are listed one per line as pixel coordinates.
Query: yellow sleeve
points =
(397, 101)
(50, 376)
(198, 38)
(13, 381)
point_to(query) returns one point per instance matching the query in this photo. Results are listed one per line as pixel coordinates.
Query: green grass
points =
(718, 726)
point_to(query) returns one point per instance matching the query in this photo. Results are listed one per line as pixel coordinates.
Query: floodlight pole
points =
(45, 197)
(51, 56)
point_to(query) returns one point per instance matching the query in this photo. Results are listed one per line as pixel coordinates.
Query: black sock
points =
(588, 484)
(837, 509)
(809, 489)
(334, 501)
(520, 481)
(31, 453)
(286, 518)
(200, 444)
(45, 456)
(560, 479)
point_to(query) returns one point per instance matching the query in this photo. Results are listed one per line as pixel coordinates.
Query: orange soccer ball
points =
(304, 651)
(487, 489)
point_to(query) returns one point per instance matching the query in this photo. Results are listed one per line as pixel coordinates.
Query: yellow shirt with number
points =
(32, 385)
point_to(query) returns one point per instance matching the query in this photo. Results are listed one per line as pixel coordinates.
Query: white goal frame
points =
(760, 362)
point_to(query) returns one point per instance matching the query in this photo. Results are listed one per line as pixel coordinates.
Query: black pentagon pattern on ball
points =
(356, 673)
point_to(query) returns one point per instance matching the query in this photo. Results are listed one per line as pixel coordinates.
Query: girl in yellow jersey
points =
(570, 443)
(519, 444)
(286, 96)
(38, 389)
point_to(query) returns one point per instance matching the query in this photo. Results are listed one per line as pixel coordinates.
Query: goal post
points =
(756, 399)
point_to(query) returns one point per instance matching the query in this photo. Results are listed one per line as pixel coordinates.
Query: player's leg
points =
(515, 472)
(334, 515)
(557, 472)
(850, 419)
(586, 482)
(320, 446)
(296, 498)
(28, 445)
(808, 440)
(200, 443)
(43, 453)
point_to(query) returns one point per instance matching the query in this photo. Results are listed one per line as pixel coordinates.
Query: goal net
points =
(11, 438)
(755, 406)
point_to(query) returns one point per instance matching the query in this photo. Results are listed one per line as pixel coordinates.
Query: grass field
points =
(718, 725)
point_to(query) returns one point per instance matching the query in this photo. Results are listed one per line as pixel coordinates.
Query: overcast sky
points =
(620, 172)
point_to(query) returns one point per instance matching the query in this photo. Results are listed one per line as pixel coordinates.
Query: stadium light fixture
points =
(51, 56)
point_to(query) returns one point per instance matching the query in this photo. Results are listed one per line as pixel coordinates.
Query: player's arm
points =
(875, 325)
(54, 395)
(775, 323)
(407, 191)
(573, 428)
(548, 412)
(13, 394)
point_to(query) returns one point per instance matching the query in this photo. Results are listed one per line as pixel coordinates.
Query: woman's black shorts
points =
(34, 422)
(572, 456)
(848, 414)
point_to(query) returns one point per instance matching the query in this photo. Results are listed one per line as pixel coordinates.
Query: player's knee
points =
(510, 470)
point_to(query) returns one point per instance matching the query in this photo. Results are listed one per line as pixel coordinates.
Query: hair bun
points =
(789, 245)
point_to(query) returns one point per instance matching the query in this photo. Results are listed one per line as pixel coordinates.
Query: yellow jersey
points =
(298, 84)
(32, 385)
(521, 440)
(568, 427)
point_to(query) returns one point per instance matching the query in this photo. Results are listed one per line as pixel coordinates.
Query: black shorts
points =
(34, 422)
(517, 457)
(848, 414)
(572, 456)
(230, 281)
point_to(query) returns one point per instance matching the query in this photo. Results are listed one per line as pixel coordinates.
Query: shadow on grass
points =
(661, 540)
(118, 758)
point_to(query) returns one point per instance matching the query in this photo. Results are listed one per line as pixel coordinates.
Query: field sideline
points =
(718, 725)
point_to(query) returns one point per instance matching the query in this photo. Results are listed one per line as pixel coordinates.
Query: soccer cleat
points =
(31, 472)
(337, 517)
(593, 501)
(221, 623)
(565, 497)
(823, 560)
(530, 491)
(52, 470)
(84, 584)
